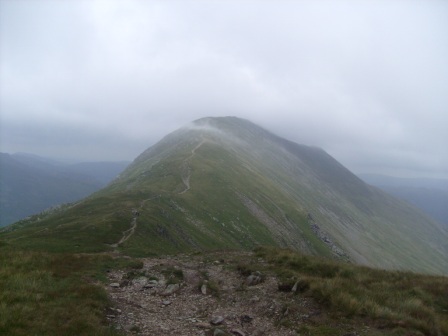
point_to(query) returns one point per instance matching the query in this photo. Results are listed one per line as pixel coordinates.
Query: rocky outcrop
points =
(322, 235)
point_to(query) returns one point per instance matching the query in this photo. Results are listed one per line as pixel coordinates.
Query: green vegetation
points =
(229, 184)
(55, 294)
(173, 275)
(210, 216)
(405, 303)
(212, 287)
(246, 188)
(232, 185)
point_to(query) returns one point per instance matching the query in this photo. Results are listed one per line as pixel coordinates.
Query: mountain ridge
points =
(228, 183)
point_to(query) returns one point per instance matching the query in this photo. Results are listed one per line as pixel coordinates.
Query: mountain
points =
(30, 184)
(429, 195)
(226, 183)
(103, 171)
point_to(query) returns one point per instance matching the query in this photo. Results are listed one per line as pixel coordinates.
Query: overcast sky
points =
(103, 80)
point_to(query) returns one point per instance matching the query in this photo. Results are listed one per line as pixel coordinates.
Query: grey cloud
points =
(364, 80)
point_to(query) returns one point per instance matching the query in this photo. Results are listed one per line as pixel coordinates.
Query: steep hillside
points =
(225, 183)
(30, 184)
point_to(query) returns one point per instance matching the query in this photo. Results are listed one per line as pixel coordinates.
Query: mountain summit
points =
(226, 183)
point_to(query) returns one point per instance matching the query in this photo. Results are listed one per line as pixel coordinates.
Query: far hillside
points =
(429, 195)
(30, 184)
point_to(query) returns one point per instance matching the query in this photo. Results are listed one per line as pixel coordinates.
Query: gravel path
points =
(186, 171)
(208, 298)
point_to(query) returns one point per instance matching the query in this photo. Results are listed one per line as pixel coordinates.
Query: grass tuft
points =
(173, 275)
(54, 294)
(415, 304)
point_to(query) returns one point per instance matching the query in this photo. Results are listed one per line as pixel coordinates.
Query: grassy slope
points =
(54, 294)
(397, 303)
(247, 187)
(209, 216)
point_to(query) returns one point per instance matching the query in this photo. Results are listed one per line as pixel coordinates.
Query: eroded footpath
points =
(210, 294)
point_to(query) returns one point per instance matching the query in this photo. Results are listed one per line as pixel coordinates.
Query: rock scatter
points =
(187, 295)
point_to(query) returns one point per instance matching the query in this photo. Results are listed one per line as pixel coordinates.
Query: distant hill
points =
(103, 172)
(226, 183)
(429, 195)
(30, 184)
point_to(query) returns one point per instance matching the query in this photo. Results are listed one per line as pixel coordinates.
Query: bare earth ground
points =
(144, 303)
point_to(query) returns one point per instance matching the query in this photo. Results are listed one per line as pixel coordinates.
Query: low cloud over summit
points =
(103, 80)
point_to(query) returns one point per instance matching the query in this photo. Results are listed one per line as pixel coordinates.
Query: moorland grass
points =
(413, 303)
(54, 294)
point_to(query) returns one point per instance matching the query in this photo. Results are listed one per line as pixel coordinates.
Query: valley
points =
(31, 184)
(429, 195)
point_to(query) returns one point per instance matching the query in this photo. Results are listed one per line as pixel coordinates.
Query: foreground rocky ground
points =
(213, 294)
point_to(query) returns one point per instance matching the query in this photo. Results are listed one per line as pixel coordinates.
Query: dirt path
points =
(129, 232)
(186, 170)
(227, 293)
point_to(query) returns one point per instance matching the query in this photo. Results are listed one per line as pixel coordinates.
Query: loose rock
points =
(294, 288)
(151, 284)
(140, 281)
(203, 325)
(238, 332)
(217, 320)
(254, 279)
(171, 289)
(219, 332)
(161, 309)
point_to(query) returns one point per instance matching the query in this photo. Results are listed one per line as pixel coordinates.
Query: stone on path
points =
(151, 284)
(171, 289)
(254, 279)
(217, 320)
(219, 332)
(203, 325)
(238, 332)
